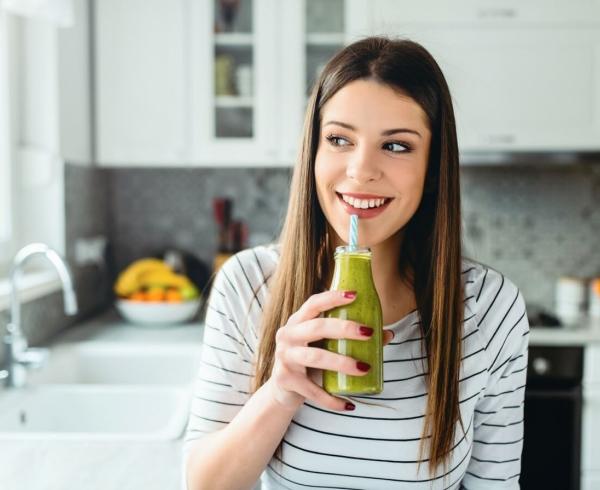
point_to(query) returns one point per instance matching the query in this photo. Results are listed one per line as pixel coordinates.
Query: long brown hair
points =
(430, 257)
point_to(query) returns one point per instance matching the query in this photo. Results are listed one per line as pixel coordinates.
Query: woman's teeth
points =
(363, 203)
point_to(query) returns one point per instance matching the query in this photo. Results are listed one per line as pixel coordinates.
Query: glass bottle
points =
(353, 273)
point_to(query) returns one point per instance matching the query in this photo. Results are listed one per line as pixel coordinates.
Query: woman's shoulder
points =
(247, 271)
(494, 303)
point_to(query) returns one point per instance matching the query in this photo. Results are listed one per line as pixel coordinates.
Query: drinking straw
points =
(353, 245)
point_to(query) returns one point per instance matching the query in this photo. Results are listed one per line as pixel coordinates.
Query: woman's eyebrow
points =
(387, 132)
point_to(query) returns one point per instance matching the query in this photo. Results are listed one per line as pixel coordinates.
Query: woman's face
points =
(371, 160)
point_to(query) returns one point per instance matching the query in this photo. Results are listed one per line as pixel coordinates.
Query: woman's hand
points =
(291, 381)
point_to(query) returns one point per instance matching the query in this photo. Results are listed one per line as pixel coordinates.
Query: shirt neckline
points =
(402, 320)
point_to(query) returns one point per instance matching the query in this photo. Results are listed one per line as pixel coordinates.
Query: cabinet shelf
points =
(234, 39)
(233, 101)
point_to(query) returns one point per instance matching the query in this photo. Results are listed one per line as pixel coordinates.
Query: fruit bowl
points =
(157, 313)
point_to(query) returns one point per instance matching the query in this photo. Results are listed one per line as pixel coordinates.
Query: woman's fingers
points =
(311, 391)
(320, 303)
(388, 336)
(323, 328)
(313, 357)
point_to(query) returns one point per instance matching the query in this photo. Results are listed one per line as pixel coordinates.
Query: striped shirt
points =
(376, 445)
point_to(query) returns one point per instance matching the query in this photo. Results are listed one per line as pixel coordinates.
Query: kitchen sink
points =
(99, 363)
(93, 412)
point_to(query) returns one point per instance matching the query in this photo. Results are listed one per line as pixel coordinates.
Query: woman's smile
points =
(365, 206)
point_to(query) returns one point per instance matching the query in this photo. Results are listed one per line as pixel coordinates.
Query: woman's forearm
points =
(235, 456)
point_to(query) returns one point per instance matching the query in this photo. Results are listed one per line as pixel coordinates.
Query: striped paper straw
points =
(353, 232)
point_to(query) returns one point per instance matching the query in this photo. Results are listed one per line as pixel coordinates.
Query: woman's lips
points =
(363, 213)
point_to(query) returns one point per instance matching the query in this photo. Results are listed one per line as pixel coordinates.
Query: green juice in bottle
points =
(353, 273)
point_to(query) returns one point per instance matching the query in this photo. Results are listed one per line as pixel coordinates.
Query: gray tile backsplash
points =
(532, 223)
(152, 209)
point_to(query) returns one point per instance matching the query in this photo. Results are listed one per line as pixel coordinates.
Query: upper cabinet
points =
(234, 81)
(211, 82)
(225, 82)
(530, 86)
(503, 12)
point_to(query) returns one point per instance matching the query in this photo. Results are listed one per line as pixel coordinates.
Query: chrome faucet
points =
(17, 356)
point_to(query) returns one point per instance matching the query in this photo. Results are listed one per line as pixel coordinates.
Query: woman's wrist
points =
(288, 401)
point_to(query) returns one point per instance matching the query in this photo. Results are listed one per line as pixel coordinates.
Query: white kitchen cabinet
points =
(234, 80)
(590, 437)
(590, 480)
(503, 12)
(285, 44)
(591, 429)
(188, 82)
(312, 31)
(141, 89)
(521, 89)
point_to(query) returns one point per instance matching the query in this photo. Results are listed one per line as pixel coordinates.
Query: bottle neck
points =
(353, 270)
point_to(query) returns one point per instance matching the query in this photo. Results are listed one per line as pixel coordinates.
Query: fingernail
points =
(350, 406)
(366, 331)
(363, 366)
(350, 294)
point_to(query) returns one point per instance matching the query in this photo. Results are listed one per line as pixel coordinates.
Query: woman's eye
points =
(396, 147)
(337, 140)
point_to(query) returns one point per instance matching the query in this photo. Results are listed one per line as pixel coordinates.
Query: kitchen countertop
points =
(109, 327)
(106, 465)
(101, 465)
(586, 332)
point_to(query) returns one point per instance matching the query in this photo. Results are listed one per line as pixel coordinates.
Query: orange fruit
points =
(173, 296)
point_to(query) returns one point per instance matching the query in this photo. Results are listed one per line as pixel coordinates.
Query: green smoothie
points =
(353, 273)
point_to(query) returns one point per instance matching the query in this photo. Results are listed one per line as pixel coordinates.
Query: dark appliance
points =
(553, 402)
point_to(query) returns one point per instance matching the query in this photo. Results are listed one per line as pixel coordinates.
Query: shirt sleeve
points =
(498, 420)
(223, 382)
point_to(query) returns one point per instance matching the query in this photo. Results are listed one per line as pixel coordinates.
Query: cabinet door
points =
(234, 82)
(140, 82)
(590, 437)
(519, 89)
(590, 480)
(312, 32)
(502, 12)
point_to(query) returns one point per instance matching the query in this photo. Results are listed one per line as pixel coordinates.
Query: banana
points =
(167, 279)
(128, 281)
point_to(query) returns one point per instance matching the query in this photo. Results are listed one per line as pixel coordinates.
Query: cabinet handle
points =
(500, 138)
(497, 13)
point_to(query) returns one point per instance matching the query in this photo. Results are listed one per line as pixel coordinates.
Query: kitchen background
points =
(164, 106)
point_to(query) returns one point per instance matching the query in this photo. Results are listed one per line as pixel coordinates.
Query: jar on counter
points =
(570, 300)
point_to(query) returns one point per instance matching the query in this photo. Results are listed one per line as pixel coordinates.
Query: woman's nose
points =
(362, 167)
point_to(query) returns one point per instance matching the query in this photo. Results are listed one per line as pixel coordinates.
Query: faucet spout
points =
(64, 274)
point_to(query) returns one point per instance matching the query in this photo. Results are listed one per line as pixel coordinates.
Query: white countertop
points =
(586, 332)
(101, 465)
(111, 328)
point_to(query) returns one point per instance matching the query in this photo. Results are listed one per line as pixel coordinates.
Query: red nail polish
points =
(363, 366)
(366, 331)
(350, 294)
(350, 406)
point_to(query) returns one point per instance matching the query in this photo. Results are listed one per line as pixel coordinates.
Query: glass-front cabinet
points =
(313, 31)
(233, 76)
(265, 56)
(212, 82)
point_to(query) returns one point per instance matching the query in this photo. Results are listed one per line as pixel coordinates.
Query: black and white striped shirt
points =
(376, 445)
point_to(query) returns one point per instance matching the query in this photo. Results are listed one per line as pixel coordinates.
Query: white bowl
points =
(157, 313)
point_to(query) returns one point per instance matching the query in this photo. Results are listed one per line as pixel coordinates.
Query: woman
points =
(379, 130)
